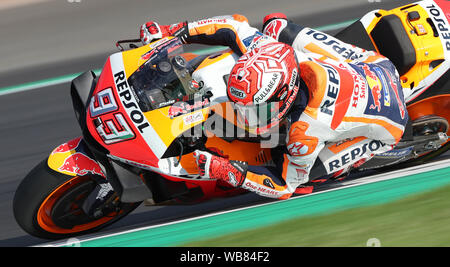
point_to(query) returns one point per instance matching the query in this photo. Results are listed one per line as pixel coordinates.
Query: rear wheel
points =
(48, 205)
(428, 125)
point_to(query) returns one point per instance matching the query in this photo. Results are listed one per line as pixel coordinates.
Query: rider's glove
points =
(152, 31)
(273, 24)
(218, 167)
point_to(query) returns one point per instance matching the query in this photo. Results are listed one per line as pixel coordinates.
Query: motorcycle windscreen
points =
(164, 79)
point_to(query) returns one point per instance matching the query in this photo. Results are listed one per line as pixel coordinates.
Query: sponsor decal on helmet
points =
(293, 79)
(265, 93)
(237, 93)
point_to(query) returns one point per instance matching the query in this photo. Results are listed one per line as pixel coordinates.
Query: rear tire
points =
(43, 198)
(429, 124)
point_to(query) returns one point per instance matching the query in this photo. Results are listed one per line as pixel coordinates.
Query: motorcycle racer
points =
(344, 104)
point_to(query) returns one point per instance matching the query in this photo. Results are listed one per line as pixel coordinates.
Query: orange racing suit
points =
(351, 101)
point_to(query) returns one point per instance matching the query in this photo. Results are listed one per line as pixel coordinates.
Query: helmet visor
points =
(259, 116)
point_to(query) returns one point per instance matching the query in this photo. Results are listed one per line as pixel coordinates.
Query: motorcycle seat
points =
(393, 42)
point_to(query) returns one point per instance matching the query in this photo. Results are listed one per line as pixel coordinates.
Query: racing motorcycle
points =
(153, 106)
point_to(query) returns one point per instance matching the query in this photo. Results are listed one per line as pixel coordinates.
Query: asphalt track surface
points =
(34, 122)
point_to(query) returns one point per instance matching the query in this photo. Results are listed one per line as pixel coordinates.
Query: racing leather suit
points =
(350, 104)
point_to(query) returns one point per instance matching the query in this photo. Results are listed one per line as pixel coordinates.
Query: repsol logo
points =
(337, 46)
(332, 90)
(129, 103)
(355, 154)
(441, 23)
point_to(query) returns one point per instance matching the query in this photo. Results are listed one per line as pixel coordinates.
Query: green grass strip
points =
(417, 221)
(41, 83)
(266, 215)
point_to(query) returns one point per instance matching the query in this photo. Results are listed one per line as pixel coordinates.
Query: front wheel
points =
(47, 204)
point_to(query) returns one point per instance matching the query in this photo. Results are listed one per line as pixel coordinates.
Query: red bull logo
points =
(80, 164)
(181, 108)
(401, 105)
(374, 86)
(71, 145)
(369, 73)
(176, 111)
(376, 95)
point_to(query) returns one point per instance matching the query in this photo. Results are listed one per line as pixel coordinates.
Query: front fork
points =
(74, 159)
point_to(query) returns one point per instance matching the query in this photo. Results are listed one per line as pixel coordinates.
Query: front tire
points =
(47, 204)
